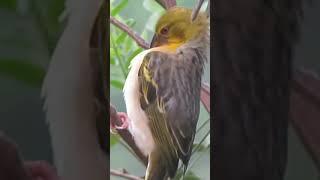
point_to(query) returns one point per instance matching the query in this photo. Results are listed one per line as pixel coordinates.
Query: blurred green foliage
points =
(32, 29)
(19, 69)
(8, 4)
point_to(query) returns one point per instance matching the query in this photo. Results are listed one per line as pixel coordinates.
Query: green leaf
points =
(112, 55)
(23, 71)
(117, 84)
(8, 4)
(113, 140)
(137, 51)
(119, 7)
(123, 34)
(130, 22)
(130, 44)
(121, 37)
(47, 14)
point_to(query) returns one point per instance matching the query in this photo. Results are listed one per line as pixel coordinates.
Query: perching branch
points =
(126, 135)
(139, 40)
(124, 175)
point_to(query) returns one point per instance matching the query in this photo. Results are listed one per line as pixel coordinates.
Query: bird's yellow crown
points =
(176, 27)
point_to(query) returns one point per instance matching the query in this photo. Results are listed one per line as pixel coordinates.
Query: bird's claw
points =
(124, 120)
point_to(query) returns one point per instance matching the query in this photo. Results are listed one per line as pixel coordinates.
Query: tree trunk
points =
(252, 55)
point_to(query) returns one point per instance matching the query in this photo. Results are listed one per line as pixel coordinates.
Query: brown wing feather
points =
(170, 91)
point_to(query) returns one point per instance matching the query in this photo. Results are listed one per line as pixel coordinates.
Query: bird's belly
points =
(140, 131)
(138, 125)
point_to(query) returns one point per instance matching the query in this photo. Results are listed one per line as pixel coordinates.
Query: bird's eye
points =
(164, 31)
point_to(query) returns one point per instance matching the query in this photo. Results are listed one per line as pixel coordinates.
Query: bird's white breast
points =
(138, 125)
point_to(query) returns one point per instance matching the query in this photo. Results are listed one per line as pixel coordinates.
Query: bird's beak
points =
(158, 40)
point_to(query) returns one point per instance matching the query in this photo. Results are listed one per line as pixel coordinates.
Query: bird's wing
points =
(170, 92)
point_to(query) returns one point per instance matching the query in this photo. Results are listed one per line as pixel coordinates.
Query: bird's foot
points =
(123, 121)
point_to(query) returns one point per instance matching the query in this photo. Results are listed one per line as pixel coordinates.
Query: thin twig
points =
(202, 125)
(140, 41)
(196, 9)
(201, 141)
(124, 175)
(194, 161)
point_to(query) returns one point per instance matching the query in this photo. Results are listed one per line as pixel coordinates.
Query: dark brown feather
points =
(170, 95)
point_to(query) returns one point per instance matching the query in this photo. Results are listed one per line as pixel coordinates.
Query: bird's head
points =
(176, 27)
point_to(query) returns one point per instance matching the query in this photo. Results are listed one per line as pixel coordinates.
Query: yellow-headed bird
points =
(162, 91)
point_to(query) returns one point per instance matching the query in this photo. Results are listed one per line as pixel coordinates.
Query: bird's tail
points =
(160, 169)
(156, 169)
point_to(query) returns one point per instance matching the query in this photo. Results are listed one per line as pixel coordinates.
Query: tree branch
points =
(126, 135)
(124, 175)
(139, 40)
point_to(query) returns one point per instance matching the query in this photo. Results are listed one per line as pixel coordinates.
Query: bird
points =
(69, 97)
(162, 91)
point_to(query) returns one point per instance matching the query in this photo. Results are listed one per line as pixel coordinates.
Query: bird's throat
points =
(170, 47)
